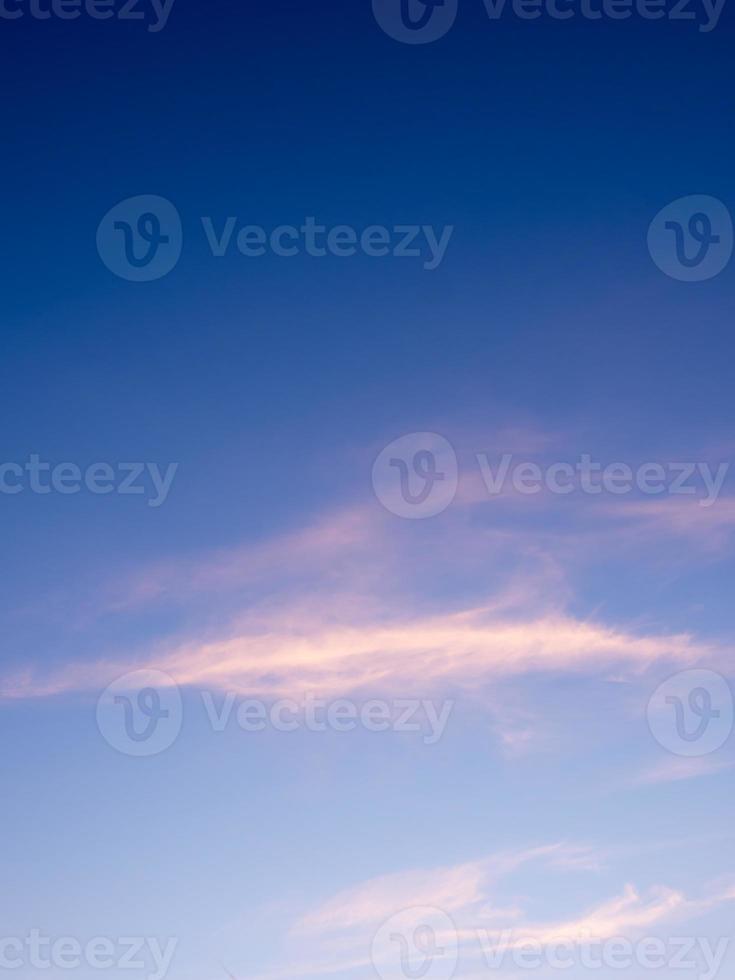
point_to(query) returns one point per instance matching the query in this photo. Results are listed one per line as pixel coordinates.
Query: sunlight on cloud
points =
(474, 896)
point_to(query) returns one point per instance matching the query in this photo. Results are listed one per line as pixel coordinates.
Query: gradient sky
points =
(272, 569)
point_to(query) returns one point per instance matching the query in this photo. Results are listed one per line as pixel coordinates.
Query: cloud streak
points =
(293, 651)
(337, 935)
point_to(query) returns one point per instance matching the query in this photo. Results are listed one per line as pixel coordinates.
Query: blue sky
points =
(275, 568)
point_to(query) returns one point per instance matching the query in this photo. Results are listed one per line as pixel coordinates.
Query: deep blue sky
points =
(549, 146)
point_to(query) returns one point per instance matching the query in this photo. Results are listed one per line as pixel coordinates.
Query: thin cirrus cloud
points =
(292, 651)
(360, 548)
(621, 520)
(711, 528)
(674, 770)
(485, 910)
(453, 889)
(289, 654)
(326, 611)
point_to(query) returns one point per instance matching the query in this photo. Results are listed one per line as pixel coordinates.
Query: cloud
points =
(352, 604)
(295, 650)
(452, 889)
(337, 935)
(709, 528)
(673, 770)
(359, 602)
(623, 915)
(369, 904)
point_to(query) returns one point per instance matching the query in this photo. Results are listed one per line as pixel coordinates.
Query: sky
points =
(367, 513)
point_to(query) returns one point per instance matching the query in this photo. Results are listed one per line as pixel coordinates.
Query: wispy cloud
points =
(291, 651)
(673, 769)
(337, 935)
(325, 610)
